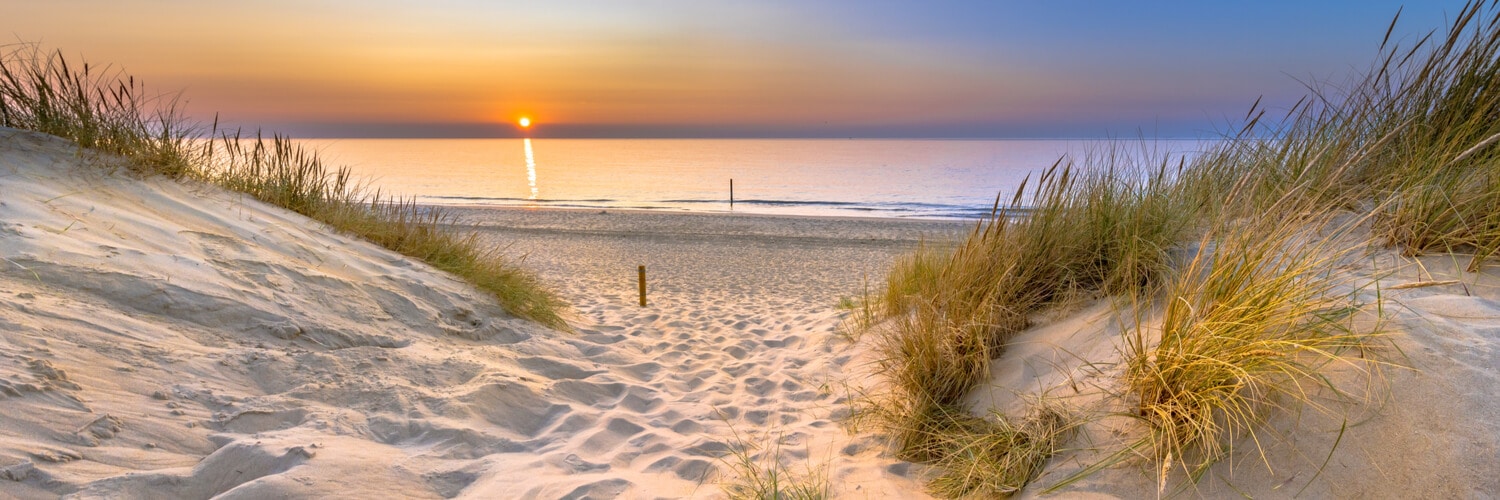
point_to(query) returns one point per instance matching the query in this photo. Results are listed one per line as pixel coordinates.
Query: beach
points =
(168, 339)
(741, 330)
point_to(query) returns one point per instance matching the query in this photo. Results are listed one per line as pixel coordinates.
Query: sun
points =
(524, 122)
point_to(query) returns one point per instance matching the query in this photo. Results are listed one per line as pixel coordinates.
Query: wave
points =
(496, 198)
(896, 209)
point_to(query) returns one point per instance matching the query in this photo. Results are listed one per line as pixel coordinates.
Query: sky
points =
(707, 68)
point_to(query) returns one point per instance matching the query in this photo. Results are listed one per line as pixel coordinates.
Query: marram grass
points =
(109, 113)
(1104, 228)
(1245, 328)
(101, 110)
(1440, 173)
(990, 457)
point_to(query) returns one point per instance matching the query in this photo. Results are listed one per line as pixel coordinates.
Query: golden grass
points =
(992, 457)
(284, 174)
(950, 312)
(101, 110)
(109, 113)
(1245, 328)
(1418, 135)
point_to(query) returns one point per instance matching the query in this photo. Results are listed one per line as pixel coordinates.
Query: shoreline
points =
(730, 213)
(968, 214)
(641, 222)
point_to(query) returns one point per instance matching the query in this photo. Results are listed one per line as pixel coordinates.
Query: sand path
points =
(740, 328)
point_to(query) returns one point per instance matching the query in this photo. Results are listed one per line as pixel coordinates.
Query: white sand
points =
(163, 339)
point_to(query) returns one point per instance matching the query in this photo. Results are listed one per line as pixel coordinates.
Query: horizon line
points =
(957, 131)
(770, 137)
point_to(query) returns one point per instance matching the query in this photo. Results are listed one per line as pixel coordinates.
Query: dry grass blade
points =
(1249, 323)
(758, 472)
(1422, 284)
(992, 457)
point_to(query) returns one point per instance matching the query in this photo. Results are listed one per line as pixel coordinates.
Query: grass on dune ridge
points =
(1104, 227)
(1245, 324)
(108, 112)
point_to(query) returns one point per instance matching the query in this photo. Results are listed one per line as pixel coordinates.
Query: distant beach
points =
(750, 256)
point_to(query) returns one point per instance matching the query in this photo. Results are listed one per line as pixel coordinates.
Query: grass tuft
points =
(101, 110)
(759, 472)
(1090, 230)
(1246, 328)
(992, 457)
(1441, 173)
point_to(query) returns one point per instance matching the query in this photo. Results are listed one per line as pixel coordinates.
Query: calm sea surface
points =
(827, 177)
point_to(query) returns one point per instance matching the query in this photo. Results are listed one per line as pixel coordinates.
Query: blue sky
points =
(714, 68)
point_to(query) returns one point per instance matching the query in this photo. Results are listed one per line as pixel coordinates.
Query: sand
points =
(164, 339)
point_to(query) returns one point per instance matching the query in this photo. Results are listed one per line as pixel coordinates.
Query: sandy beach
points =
(706, 262)
(165, 339)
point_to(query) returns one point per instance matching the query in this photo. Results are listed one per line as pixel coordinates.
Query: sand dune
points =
(165, 339)
(1416, 420)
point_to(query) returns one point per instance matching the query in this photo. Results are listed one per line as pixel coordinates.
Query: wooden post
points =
(731, 193)
(641, 271)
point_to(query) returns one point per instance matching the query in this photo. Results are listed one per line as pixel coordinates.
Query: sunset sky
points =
(779, 68)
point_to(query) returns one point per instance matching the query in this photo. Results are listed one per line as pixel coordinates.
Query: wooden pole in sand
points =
(641, 272)
(731, 193)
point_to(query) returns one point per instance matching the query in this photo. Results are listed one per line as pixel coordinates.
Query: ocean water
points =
(931, 179)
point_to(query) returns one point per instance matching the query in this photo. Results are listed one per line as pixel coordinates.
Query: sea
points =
(924, 179)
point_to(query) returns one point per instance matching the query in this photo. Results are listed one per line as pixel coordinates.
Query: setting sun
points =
(524, 122)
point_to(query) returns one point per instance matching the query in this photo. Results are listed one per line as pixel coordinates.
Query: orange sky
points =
(358, 69)
(653, 63)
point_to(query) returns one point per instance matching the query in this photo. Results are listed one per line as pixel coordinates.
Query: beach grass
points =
(988, 457)
(1089, 231)
(1228, 334)
(1245, 328)
(758, 471)
(1409, 149)
(110, 113)
(1440, 173)
(100, 109)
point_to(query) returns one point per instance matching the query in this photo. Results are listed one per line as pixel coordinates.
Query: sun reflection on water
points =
(530, 168)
